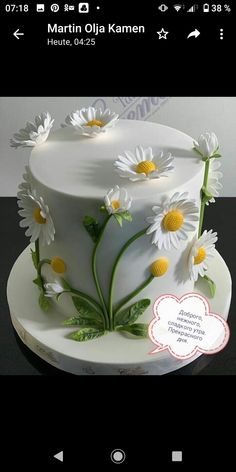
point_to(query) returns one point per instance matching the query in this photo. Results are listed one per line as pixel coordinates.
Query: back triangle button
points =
(59, 456)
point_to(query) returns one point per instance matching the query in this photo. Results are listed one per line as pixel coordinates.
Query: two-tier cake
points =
(114, 210)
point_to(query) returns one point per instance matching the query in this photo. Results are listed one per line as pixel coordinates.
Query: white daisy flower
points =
(92, 121)
(213, 184)
(143, 164)
(34, 133)
(117, 200)
(53, 289)
(27, 185)
(207, 144)
(37, 217)
(201, 251)
(172, 221)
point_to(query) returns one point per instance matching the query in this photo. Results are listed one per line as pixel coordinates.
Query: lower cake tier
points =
(112, 354)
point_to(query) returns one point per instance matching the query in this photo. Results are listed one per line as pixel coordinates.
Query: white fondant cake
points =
(73, 174)
(115, 210)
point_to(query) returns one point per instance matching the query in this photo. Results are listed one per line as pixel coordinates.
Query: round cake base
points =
(113, 354)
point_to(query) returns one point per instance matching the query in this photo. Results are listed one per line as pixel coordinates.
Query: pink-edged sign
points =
(186, 326)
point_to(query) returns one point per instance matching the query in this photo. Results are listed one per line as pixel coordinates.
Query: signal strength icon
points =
(192, 9)
(177, 7)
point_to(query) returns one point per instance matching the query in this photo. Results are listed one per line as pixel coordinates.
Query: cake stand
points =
(112, 354)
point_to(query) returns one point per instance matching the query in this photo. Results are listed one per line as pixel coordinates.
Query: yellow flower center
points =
(38, 217)
(201, 256)
(146, 167)
(95, 123)
(173, 220)
(115, 204)
(159, 267)
(58, 265)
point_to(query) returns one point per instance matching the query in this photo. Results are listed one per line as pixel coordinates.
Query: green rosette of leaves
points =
(94, 321)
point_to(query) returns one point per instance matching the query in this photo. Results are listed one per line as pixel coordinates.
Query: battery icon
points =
(206, 8)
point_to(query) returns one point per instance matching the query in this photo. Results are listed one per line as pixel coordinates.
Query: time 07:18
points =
(10, 8)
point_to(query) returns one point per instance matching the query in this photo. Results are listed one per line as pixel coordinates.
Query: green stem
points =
(207, 166)
(40, 263)
(94, 269)
(113, 274)
(37, 251)
(88, 298)
(134, 293)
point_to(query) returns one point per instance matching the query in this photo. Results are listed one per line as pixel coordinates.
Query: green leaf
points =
(87, 334)
(38, 281)
(89, 220)
(83, 307)
(77, 320)
(86, 310)
(92, 227)
(44, 302)
(138, 329)
(126, 215)
(130, 314)
(211, 285)
(34, 258)
(118, 218)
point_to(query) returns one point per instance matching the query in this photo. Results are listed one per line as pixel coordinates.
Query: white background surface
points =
(192, 115)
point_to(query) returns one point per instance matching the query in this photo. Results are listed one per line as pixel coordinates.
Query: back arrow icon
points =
(17, 34)
(59, 456)
(194, 34)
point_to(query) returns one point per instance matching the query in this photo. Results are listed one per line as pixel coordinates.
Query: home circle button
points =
(117, 456)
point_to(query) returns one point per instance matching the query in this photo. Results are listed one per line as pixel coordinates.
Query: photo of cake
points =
(113, 209)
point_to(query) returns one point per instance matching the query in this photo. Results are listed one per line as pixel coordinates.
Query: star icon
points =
(162, 34)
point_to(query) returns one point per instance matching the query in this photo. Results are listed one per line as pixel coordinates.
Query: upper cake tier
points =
(73, 173)
(84, 167)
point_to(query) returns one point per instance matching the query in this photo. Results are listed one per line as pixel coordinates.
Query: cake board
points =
(112, 354)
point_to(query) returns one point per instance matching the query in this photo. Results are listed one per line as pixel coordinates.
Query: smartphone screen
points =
(118, 221)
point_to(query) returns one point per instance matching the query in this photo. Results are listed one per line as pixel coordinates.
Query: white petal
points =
(188, 227)
(140, 153)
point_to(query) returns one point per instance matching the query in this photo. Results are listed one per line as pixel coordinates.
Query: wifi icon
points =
(177, 7)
